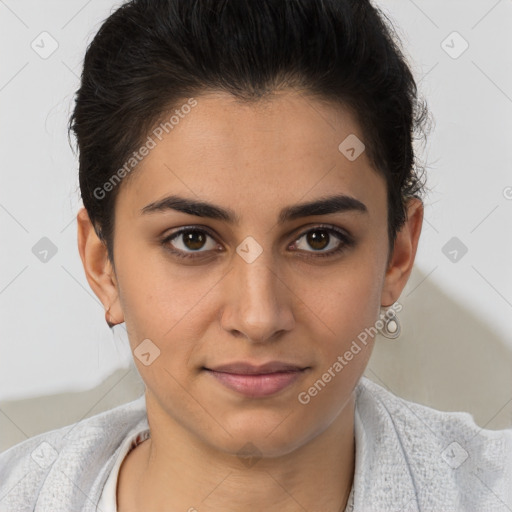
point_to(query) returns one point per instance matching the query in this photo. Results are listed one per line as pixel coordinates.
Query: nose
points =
(257, 303)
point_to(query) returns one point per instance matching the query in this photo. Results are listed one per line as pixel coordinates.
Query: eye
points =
(323, 237)
(187, 241)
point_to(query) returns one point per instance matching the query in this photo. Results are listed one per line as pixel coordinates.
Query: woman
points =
(252, 210)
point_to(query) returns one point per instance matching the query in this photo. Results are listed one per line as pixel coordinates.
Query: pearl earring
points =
(391, 328)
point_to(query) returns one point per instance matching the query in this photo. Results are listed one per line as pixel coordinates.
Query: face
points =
(256, 277)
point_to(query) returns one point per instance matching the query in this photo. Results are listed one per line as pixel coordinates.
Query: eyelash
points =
(346, 241)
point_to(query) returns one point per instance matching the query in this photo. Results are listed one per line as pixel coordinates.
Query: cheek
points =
(345, 312)
(346, 302)
(155, 294)
(168, 305)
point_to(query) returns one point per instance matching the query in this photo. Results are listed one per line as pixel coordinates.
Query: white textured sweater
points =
(409, 458)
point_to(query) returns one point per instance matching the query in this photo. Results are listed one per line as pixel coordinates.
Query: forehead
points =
(262, 155)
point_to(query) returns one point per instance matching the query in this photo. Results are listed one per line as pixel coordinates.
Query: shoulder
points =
(446, 455)
(55, 464)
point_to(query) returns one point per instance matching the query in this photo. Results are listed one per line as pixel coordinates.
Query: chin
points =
(271, 435)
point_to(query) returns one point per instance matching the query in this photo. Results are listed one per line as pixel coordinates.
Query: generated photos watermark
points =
(138, 155)
(304, 397)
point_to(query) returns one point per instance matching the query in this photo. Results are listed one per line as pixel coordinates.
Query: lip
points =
(241, 367)
(257, 381)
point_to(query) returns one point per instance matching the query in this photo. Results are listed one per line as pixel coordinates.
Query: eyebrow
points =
(322, 206)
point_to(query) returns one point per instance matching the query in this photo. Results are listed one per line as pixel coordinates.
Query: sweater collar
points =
(382, 478)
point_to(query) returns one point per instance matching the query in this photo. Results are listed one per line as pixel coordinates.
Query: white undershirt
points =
(108, 499)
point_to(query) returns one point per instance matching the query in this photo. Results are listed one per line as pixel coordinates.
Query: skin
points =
(254, 159)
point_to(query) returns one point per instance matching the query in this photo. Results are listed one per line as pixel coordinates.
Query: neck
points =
(173, 470)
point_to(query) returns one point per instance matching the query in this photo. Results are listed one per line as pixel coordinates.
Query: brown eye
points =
(318, 239)
(194, 240)
(321, 238)
(186, 242)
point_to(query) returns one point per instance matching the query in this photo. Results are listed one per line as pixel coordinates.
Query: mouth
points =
(257, 381)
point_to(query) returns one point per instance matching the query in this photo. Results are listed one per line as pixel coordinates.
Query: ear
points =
(98, 268)
(402, 260)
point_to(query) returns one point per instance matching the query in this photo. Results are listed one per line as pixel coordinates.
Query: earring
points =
(110, 324)
(391, 326)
